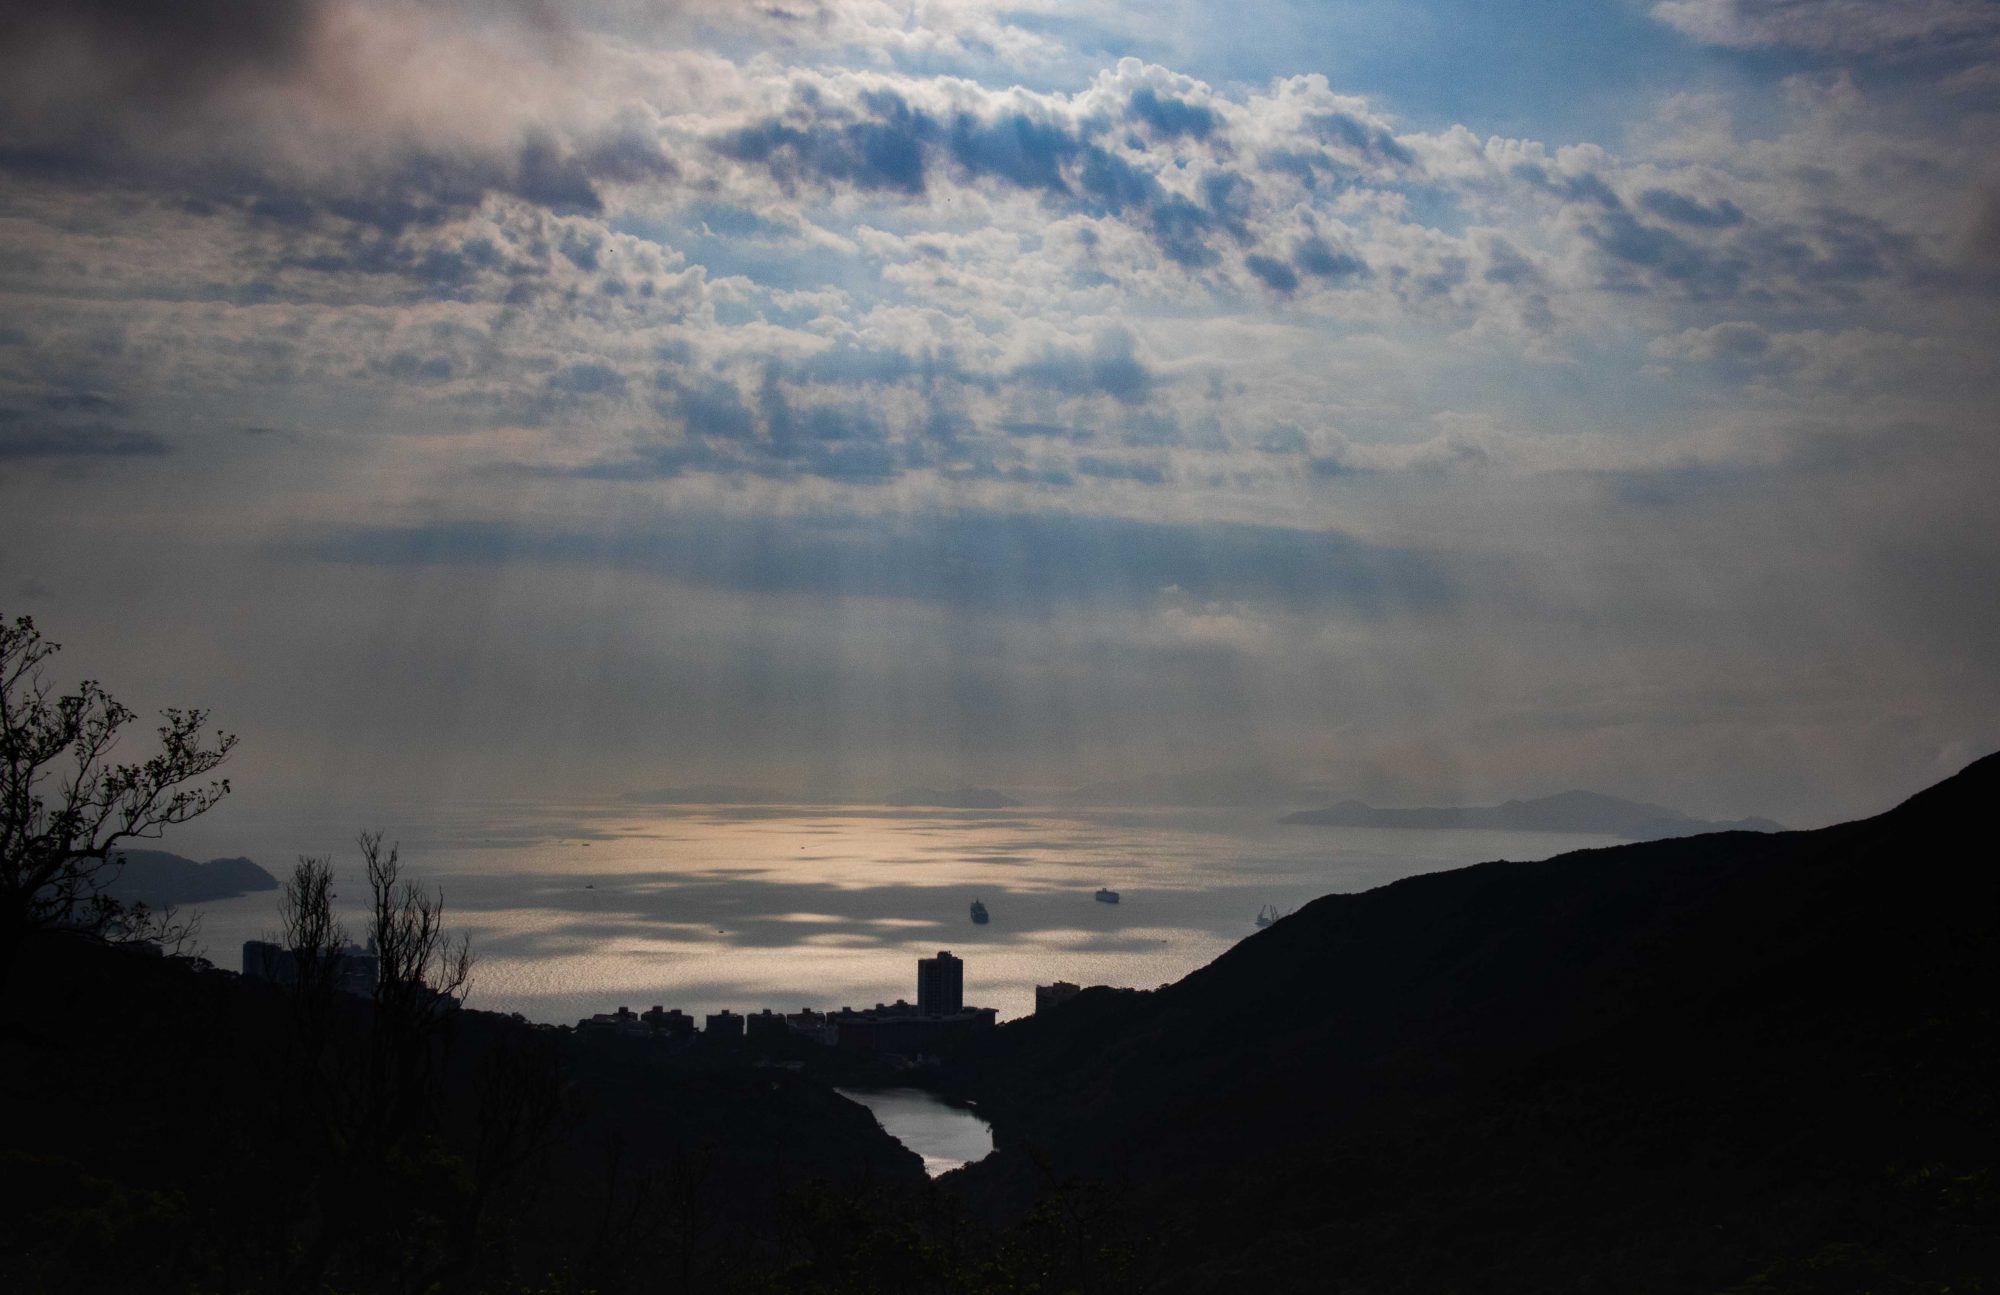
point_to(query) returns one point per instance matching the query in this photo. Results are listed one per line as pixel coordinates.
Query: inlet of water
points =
(946, 1136)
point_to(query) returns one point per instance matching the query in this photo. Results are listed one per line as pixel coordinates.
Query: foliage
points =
(65, 803)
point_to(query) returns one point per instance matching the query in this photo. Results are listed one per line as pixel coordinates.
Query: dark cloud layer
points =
(160, 54)
(263, 106)
(21, 438)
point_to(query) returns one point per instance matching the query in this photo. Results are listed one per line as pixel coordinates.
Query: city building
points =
(654, 1023)
(812, 1026)
(1047, 996)
(907, 1034)
(902, 1029)
(355, 969)
(622, 1021)
(938, 1019)
(940, 985)
(675, 1024)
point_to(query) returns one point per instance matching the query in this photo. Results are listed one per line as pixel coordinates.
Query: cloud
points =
(714, 408)
(1277, 275)
(162, 56)
(1734, 342)
(1655, 238)
(378, 111)
(1837, 26)
(967, 558)
(1171, 117)
(586, 378)
(1110, 367)
(1853, 363)
(881, 140)
(1354, 134)
(1678, 207)
(755, 309)
(1110, 469)
(21, 438)
(881, 154)
(1316, 257)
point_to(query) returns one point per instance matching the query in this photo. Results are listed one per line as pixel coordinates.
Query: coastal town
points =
(934, 1023)
(901, 1031)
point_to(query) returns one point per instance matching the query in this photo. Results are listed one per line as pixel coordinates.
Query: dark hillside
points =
(1570, 811)
(1663, 1066)
(157, 1137)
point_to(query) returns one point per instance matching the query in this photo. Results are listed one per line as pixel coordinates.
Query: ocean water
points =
(574, 909)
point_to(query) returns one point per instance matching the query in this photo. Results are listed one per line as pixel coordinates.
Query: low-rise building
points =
(1047, 996)
(674, 1024)
(814, 1027)
(907, 1033)
(938, 1020)
(623, 1021)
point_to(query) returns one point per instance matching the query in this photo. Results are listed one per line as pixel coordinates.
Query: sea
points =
(576, 909)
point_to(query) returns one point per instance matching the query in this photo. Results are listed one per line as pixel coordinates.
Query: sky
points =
(1433, 402)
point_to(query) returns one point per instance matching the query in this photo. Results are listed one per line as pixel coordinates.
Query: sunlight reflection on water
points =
(574, 911)
(947, 1137)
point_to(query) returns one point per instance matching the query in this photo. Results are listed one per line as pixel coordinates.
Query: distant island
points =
(963, 798)
(1569, 811)
(1221, 787)
(156, 879)
(717, 793)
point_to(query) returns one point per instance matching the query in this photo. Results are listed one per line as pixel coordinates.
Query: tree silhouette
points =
(388, 1193)
(423, 974)
(65, 805)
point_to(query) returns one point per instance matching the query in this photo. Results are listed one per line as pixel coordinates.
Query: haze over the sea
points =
(578, 909)
(1431, 403)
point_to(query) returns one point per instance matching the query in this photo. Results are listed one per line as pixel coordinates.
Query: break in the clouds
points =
(576, 397)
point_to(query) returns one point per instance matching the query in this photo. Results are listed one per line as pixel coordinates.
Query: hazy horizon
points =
(1437, 403)
(574, 910)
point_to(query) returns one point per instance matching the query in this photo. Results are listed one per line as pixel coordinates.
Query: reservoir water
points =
(946, 1136)
(578, 909)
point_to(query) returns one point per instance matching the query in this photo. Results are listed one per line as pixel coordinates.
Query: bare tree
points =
(424, 970)
(316, 943)
(65, 805)
(423, 973)
(175, 933)
(369, 1071)
(312, 932)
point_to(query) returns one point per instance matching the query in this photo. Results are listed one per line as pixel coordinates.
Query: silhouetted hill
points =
(157, 879)
(1736, 1061)
(1569, 811)
(962, 798)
